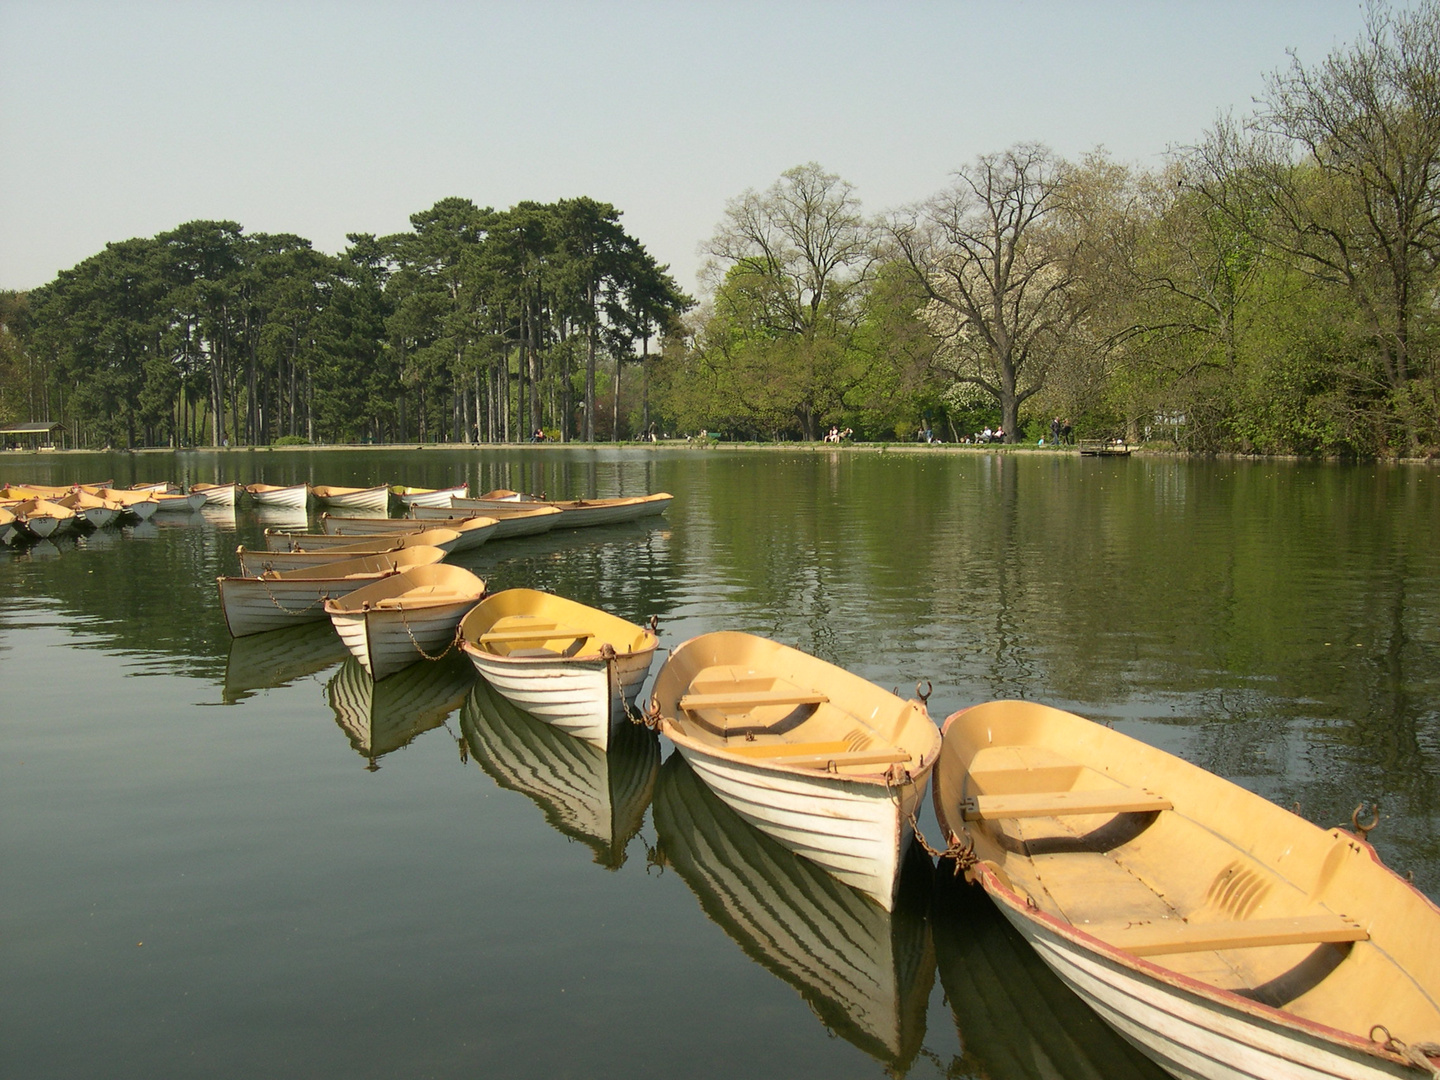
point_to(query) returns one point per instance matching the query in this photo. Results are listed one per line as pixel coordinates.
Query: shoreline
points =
(723, 447)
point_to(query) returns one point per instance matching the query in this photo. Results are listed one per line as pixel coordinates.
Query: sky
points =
(126, 118)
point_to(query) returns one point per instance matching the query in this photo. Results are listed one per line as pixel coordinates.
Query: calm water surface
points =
(244, 859)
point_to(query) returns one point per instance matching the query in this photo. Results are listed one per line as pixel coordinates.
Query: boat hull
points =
(1188, 1033)
(295, 497)
(531, 521)
(439, 497)
(387, 641)
(577, 697)
(856, 831)
(579, 514)
(375, 499)
(254, 605)
(217, 494)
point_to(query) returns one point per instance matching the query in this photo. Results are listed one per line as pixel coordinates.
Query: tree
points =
(789, 267)
(1000, 282)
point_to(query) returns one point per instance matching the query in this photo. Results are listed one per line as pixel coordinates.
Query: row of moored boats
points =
(1223, 935)
(37, 512)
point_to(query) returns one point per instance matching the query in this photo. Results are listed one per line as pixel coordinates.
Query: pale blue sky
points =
(122, 119)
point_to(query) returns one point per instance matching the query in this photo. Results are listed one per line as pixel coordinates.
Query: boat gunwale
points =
(1001, 893)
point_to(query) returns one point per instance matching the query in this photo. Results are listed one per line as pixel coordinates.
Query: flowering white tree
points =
(997, 273)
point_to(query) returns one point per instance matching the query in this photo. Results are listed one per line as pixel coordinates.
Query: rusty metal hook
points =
(1364, 830)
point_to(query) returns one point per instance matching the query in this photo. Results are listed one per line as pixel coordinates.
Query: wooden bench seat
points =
(537, 633)
(1176, 936)
(818, 755)
(744, 700)
(1118, 800)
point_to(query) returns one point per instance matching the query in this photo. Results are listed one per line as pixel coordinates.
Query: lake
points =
(241, 859)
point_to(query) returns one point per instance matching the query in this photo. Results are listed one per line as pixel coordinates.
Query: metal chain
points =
(1417, 1054)
(318, 602)
(454, 641)
(961, 851)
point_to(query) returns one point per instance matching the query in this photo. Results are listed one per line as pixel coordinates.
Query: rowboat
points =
(41, 518)
(275, 599)
(1222, 935)
(159, 487)
(380, 717)
(178, 502)
(473, 531)
(418, 496)
(134, 505)
(570, 665)
(390, 624)
(217, 494)
(598, 797)
(376, 499)
(1014, 1018)
(511, 521)
(91, 510)
(579, 513)
(279, 657)
(253, 563)
(291, 497)
(865, 973)
(825, 762)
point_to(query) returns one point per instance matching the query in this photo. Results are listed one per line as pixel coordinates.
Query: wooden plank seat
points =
(533, 633)
(1176, 936)
(745, 700)
(818, 755)
(1117, 800)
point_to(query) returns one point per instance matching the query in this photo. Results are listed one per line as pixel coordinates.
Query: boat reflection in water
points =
(864, 971)
(1015, 1018)
(383, 716)
(279, 657)
(282, 517)
(586, 793)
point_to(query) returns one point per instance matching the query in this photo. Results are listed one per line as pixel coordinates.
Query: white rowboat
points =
(1223, 936)
(828, 764)
(289, 497)
(217, 494)
(276, 599)
(511, 521)
(416, 496)
(393, 623)
(564, 663)
(579, 513)
(473, 531)
(376, 499)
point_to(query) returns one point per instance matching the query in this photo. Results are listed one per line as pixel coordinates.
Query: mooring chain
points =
(317, 602)
(1420, 1055)
(962, 852)
(454, 641)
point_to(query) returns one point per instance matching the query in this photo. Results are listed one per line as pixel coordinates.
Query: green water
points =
(245, 860)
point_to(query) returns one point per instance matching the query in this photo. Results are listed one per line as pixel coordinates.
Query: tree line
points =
(475, 325)
(1273, 288)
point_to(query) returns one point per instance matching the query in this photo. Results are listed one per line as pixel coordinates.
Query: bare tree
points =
(999, 279)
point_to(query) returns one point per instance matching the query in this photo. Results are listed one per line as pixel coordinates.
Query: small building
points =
(39, 436)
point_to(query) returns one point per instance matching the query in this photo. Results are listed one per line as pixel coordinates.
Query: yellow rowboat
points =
(217, 494)
(418, 496)
(376, 499)
(91, 510)
(41, 518)
(288, 496)
(473, 531)
(410, 616)
(134, 505)
(828, 764)
(254, 563)
(564, 663)
(275, 599)
(866, 973)
(578, 513)
(1222, 935)
(513, 520)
